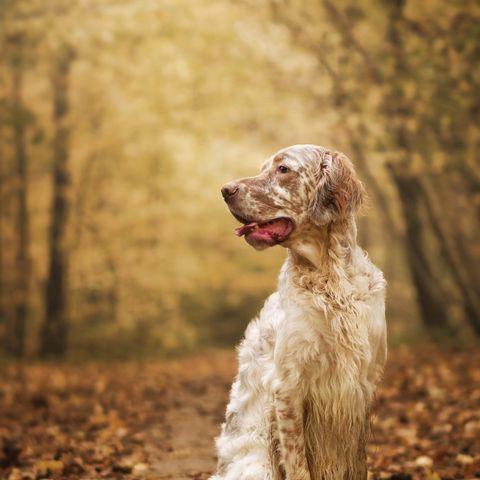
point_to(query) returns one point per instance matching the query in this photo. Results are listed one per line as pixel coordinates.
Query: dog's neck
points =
(327, 249)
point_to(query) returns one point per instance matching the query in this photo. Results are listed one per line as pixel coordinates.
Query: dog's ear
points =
(339, 193)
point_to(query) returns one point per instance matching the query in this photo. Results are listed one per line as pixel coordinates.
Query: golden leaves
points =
(158, 420)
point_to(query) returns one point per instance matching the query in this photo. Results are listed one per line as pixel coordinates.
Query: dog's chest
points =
(318, 344)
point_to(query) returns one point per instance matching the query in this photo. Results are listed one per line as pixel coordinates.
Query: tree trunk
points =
(460, 261)
(22, 259)
(430, 295)
(55, 326)
(3, 316)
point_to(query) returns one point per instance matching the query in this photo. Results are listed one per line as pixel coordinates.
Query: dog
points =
(309, 363)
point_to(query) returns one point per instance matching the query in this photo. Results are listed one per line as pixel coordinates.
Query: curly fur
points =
(309, 363)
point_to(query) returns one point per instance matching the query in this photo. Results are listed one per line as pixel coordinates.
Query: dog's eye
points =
(283, 169)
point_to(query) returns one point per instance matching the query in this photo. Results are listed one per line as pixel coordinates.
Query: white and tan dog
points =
(308, 365)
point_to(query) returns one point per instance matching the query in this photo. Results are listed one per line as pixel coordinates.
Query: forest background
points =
(121, 119)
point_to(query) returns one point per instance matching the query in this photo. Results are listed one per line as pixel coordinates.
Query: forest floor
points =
(156, 421)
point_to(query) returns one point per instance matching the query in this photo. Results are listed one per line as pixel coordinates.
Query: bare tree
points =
(55, 325)
(2, 280)
(19, 119)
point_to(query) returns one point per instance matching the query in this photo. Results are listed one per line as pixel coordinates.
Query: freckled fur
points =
(310, 361)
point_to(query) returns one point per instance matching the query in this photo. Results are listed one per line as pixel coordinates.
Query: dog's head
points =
(298, 188)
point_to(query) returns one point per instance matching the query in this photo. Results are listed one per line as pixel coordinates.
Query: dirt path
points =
(193, 422)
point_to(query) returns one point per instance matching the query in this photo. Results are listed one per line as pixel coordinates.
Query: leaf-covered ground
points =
(158, 420)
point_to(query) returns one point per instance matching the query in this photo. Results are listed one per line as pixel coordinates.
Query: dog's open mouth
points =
(265, 234)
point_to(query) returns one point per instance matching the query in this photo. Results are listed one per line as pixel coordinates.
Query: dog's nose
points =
(229, 190)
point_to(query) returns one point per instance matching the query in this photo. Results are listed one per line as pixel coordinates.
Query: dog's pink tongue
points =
(245, 230)
(266, 234)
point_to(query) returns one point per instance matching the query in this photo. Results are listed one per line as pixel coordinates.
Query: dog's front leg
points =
(289, 413)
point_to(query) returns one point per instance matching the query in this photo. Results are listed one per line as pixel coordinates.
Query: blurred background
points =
(121, 119)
